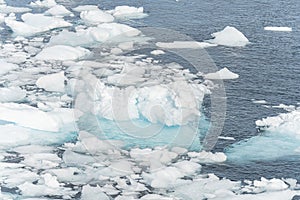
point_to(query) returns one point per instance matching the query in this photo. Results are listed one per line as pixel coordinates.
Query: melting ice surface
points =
(51, 151)
(280, 138)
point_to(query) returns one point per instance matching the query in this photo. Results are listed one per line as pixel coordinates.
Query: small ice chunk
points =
(95, 17)
(43, 3)
(157, 52)
(63, 52)
(226, 138)
(12, 94)
(259, 101)
(6, 67)
(184, 45)
(88, 192)
(58, 10)
(85, 8)
(52, 82)
(155, 197)
(230, 36)
(50, 181)
(222, 74)
(128, 12)
(274, 28)
(208, 157)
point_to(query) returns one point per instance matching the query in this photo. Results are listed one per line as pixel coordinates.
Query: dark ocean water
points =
(269, 67)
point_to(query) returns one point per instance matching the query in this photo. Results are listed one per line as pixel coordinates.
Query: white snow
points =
(223, 74)
(184, 45)
(274, 28)
(85, 8)
(230, 36)
(53, 82)
(35, 23)
(5, 9)
(95, 17)
(62, 52)
(128, 12)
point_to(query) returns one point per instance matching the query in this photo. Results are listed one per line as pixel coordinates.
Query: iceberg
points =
(223, 74)
(274, 28)
(230, 36)
(62, 52)
(35, 23)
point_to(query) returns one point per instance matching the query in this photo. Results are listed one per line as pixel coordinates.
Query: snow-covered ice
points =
(95, 17)
(12, 94)
(52, 82)
(230, 36)
(43, 3)
(58, 10)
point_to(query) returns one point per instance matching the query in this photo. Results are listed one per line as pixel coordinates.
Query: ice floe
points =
(157, 52)
(43, 3)
(10, 9)
(128, 12)
(62, 52)
(35, 23)
(222, 74)
(12, 94)
(95, 17)
(52, 82)
(274, 28)
(6, 67)
(58, 10)
(184, 45)
(230, 36)
(85, 8)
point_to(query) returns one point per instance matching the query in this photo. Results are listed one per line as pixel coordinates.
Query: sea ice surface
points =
(128, 12)
(58, 10)
(184, 45)
(52, 82)
(95, 17)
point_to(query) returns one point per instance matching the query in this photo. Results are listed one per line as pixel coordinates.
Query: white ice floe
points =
(12, 94)
(35, 118)
(2, 17)
(95, 17)
(230, 36)
(157, 52)
(105, 32)
(6, 67)
(285, 107)
(43, 3)
(9, 9)
(184, 45)
(58, 10)
(222, 74)
(35, 23)
(52, 82)
(274, 28)
(62, 52)
(85, 8)
(128, 12)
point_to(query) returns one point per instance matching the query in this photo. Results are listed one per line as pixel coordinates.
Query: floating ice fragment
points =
(35, 23)
(88, 192)
(9, 9)
(259, 101)
(157, 52)
(85, 8)
(184, 45)
(95, 17)
(58, 10)
(6, 67)
(43, 3)
(63, 52)
(230, 36)
(128, 12)
(221, 74)
(11, 94)
(53, 82)
(273, 28)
